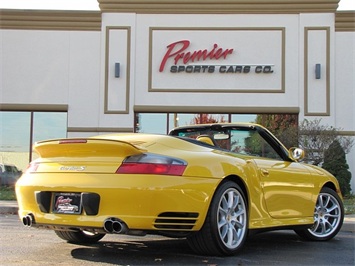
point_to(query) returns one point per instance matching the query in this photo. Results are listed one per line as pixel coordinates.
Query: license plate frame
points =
(66, 203)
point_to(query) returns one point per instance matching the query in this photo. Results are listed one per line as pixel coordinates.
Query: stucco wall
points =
(53, 67)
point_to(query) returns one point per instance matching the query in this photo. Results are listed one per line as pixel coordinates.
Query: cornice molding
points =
(91, 20)
(215, 109)
(345, 21)
(34, 107)
(50, 20)
(218, 6)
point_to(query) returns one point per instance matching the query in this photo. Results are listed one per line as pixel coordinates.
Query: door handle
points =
(264, 172)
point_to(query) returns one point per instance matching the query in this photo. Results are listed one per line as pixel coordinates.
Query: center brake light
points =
(72, 141)
(152, 164)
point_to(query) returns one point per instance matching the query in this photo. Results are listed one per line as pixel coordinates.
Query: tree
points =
(335, 163)
(283, 126)
(316, 138)
(206, 119)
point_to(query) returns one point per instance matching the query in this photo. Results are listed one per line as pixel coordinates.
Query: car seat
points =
(206, 139)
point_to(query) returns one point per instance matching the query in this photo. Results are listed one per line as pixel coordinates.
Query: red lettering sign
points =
(62, 200)
(177, 51)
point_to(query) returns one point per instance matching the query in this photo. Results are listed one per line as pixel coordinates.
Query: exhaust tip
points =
(28, 220)
(115, 226)
(108, 226)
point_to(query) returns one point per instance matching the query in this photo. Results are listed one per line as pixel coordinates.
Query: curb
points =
(348, 226)
(8, 207)
(11, 207)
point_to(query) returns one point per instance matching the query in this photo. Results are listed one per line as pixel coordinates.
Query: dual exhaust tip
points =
(115, 226)
(28, 220)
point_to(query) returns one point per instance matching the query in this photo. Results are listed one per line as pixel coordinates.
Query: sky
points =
(93, 4)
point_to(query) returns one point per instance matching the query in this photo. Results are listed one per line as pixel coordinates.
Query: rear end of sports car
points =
(144, 183)
(103, 186)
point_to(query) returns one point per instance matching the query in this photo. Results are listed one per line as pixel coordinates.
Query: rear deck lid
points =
(82, 155)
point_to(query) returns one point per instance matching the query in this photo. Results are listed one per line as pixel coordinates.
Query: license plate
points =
(68, 203)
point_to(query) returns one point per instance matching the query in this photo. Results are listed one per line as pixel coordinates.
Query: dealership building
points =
(148, 66)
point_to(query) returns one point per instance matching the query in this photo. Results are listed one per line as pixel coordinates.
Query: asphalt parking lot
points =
(20, 245)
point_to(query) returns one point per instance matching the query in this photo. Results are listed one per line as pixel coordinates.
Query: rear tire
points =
(328, 217)
(226, 226)
(79, 237)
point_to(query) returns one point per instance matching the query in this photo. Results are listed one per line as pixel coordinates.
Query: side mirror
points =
(296, 153)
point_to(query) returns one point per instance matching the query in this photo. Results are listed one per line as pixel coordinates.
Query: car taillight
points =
(152, 164)
(32, 167)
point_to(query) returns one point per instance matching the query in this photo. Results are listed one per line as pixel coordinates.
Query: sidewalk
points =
(10, 207)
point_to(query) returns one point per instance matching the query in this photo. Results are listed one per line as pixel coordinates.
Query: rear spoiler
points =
(86, 147)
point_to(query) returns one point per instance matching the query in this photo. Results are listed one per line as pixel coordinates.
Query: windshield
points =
(242, 140)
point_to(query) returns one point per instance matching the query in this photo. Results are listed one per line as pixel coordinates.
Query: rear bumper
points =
(171, 203)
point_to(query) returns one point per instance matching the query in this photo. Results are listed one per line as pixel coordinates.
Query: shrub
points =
(335, 163)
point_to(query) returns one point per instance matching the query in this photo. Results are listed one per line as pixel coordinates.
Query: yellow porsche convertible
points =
(213, 184)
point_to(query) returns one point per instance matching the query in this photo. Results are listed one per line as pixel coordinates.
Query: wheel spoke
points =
(316, 225)
(224, 231)
(235, 201)
(232, 236)
(328, 225)
(320, 202)
(224, 204)
(239, 212)
(335, 216)
(237, 216)
(222, 212)
(222, 222)
(327, 198)
(332, 208)
(238, 225)
(322, 227)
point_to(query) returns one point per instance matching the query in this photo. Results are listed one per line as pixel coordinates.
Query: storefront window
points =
(162, 123)
(19, 130)
(14, 143)
(49, 125)
(178, 119)
(151, 123)
(247, 118)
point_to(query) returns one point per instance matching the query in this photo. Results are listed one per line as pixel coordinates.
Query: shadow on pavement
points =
(271, 248)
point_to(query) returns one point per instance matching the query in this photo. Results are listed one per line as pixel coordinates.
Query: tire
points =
(79, 237)
(226, 226)
(328, 217)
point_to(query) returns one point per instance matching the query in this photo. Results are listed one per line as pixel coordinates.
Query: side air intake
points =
(176, 221)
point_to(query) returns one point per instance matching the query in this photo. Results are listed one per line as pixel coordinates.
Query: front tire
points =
(226, 226)
(79, 237)
(328, 217)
